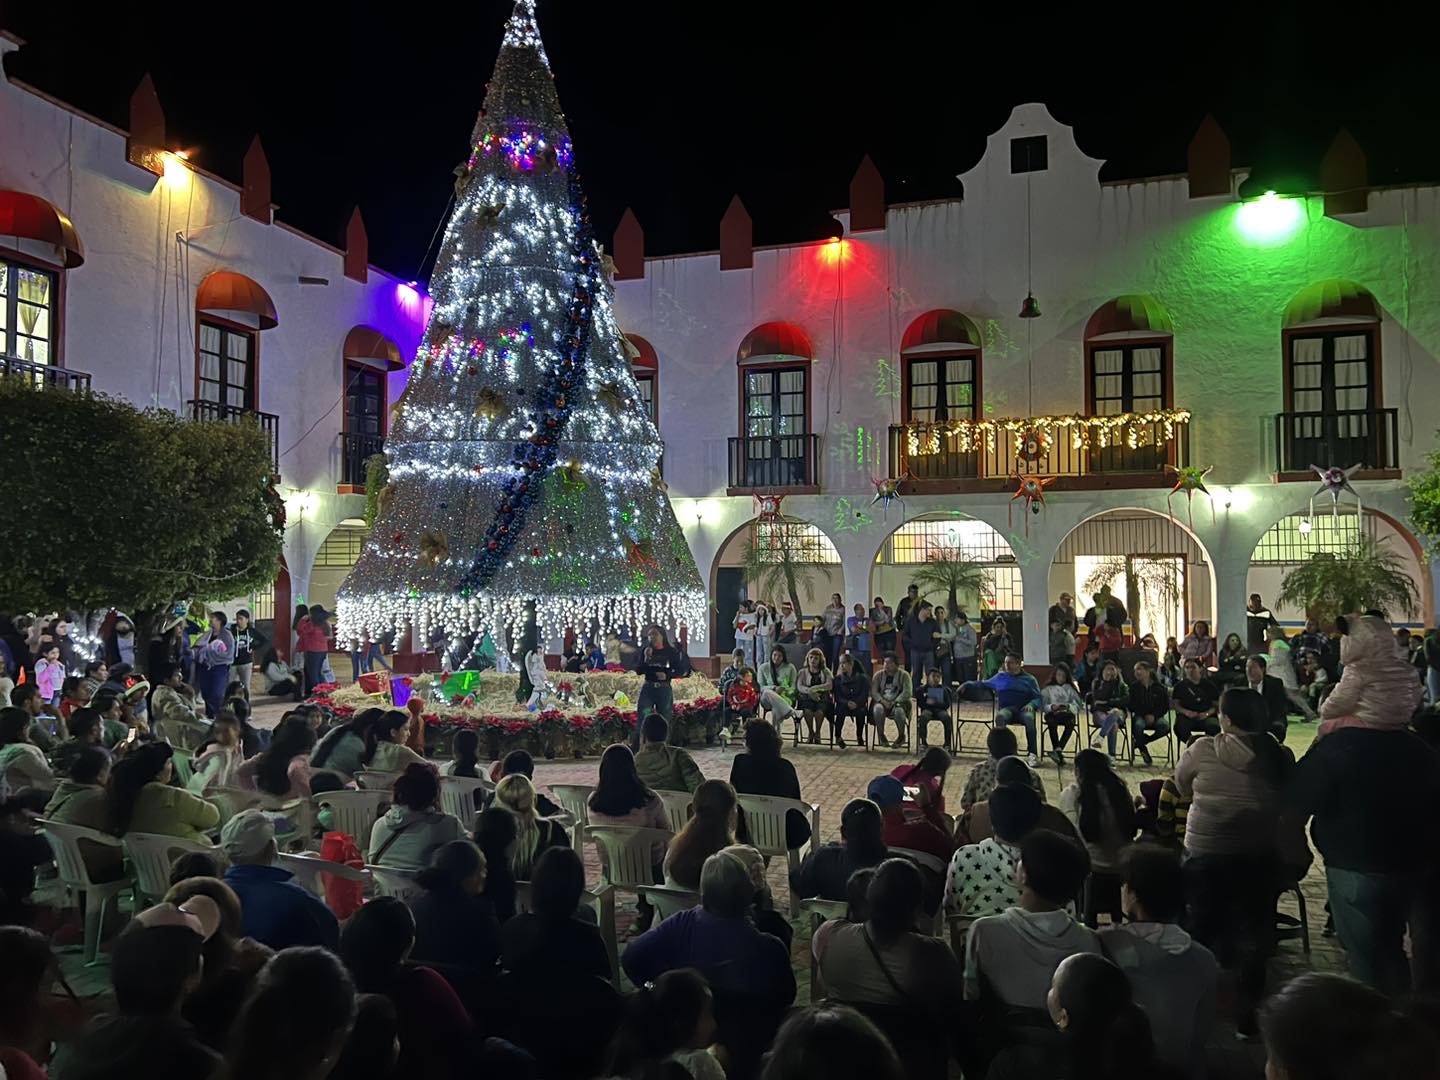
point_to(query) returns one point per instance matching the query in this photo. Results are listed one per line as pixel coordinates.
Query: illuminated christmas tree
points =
(523, 465)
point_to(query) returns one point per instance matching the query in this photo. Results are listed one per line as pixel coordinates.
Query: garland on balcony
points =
(1085, 431)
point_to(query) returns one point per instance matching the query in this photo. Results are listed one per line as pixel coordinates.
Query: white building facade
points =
(128, 270)
(1179, 326)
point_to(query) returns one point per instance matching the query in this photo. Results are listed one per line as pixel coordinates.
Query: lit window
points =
(27, 312)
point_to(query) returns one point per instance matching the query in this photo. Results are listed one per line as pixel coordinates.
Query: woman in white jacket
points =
(1062, 704)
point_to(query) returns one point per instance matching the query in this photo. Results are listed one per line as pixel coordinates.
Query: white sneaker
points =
(1032, 761)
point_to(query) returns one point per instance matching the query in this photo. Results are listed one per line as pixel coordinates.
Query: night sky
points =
(673, 112)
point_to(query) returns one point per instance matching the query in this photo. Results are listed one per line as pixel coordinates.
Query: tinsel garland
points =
(549, 411)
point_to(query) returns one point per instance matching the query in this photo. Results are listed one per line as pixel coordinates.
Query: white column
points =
(1035, 582)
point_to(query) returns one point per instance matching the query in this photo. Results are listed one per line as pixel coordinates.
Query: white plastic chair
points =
(184, 734)
(765, 822)
(389, 881)
(574, 799)
(75, 875)
(184, 764)
(457, 797)
(677, 807)
(823, 911)
(230, 801)
(669, 899)
(311, 870)
(627, 854)
(370, 780)
(152, 855)
(352, 812)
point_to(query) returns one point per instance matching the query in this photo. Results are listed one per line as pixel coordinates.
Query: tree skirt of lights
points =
(572, 727)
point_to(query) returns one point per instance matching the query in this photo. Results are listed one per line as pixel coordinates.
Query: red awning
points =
(370, 346)
(775, 339)
(1336, 298)
(1134, 313)
(939, 328)
(29, 217)
(641, 353)
(237, 297)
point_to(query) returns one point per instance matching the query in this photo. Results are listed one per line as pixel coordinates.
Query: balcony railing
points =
(1068, 446)
(234, 414)
(1365, 437)
(356, 451)
(774, 462)
(45, 374)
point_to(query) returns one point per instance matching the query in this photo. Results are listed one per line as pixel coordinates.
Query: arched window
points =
(775, 448)
(1332, 381)
(230, 312)
(645, 366)
(368, 355)
(940, 353)
(1128, 358)
(37, 245)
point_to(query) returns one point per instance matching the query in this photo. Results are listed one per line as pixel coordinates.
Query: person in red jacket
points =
(922, 829)
(312, 632)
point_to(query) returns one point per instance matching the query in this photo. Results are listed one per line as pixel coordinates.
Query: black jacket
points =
(1197, 697)
(750, 775)
(1152, 700)
(851, 689)
(1277, 704)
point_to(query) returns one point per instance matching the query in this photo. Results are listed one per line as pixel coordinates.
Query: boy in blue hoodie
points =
(1017, 699)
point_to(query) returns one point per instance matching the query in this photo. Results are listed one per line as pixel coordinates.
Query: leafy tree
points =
(950, 570)
(1425, 503)
(778, 559)
(1367, 574)
(112, 506)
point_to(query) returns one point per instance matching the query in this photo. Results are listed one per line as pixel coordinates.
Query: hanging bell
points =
(1030, 309)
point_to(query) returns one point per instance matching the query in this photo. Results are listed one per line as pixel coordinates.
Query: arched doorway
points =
(335, 559)
(928, 539)
(800, 545)
(1296, 537)
(1157, 567)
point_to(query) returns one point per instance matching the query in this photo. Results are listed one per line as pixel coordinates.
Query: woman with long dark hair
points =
(283, 768)
(342, 750)
(295, 1023)
(710, 828)
(465, 755)
(1102, 810)
(668, 1026)
(762, 770)
(1237, 858)
(140, 798)
(375, 945)
(621, 798)
(385, 749)
(455, 924)
(1230, 661)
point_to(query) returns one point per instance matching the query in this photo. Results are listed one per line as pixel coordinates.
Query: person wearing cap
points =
(277, 911)
(922, 829)
(155, 964)
(1065, 614)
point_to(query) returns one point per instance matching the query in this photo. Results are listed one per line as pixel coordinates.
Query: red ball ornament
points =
(472, 370)
(535, 551)
(493, 545)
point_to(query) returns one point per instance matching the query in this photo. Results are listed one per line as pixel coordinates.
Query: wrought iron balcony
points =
(1066, 446)
(45, 374)
(775, 462)
(235, 414)
(1366, 437)
(355, 454)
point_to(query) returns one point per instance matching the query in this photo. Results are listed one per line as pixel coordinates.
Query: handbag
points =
(904, 995)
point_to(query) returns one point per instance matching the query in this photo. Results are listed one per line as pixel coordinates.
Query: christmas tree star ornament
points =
(522, 329)
(1190, 479)
(767, 508)
(887, 490)
(1032, 490)
(1335, 480)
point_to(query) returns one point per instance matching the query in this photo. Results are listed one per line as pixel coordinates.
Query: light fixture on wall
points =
(1305, 526)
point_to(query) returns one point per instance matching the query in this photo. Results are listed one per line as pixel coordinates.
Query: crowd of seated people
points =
(1021, 940)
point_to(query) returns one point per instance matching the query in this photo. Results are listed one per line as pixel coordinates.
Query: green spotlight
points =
(1270, 219)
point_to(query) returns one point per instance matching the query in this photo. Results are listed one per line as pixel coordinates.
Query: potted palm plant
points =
(950, 570)
(778, 560)
(1366, 575)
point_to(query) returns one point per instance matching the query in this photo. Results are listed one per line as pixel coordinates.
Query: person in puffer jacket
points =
(1377, 689)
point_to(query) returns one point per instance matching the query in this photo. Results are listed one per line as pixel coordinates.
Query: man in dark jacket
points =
(278, 912)
(1277, 702)
(1258, 620)
(1149, 705)
(1372, 796)
(921, 635)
